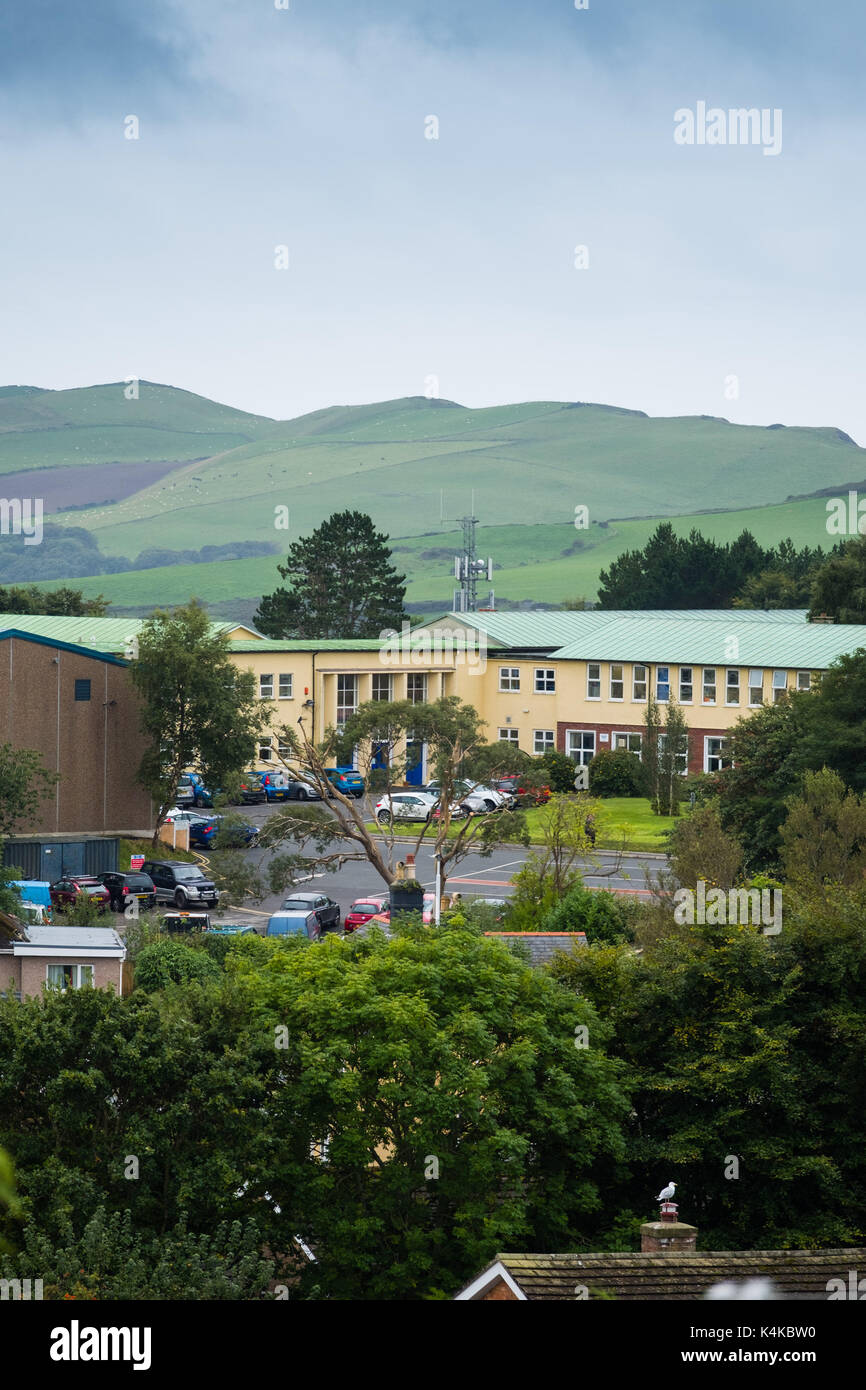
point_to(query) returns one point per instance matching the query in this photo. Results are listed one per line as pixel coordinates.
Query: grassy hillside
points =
(98, 425)
(531, 562)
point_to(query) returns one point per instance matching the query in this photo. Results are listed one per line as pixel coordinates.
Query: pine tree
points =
(342, 584)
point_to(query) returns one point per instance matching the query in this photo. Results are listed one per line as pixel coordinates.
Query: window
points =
(714, 757)
(65, 976)
(284, 750)
(663, 684)
(509, 736)
(638, 683)
(780, 685)
(686, 685)
(347, 697)
(285, 687)
(732, 686)
(681, 760)
(509, 678)
(382, 687)
(632, 742)
(756, 687)
(266, 686)
(542, 741)
(82, 690)
(804, 680)
(616, 682)
(580, 745)
(593, 680)
(709, 685)
(416, 688)
(545, 680)
(265, 753)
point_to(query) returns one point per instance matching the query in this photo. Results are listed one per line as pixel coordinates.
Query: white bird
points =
(667, 1192)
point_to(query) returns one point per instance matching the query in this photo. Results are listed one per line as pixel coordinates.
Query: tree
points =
(839, 590)
(29, 598)
(601, 915)
(438, 1076)
(650, 750)
(824, 836)
(616, 772)
(197, 709)
(700, 850)
(554, 866)
(381, 734)
(24, 783)
(342, 584)
(767, 762)
(673, 752)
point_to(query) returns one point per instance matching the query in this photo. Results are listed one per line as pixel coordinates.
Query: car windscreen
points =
(365, 907)
(296, 905)
(187, 871)
(92, 887)
(138, 881)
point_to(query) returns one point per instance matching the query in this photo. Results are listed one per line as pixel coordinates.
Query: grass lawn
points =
(628, 816)
(130, 847)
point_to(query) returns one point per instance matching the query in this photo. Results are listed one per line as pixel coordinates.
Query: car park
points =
(326, 910)
(411, 806)
(346, 780)
(180, 883)
(274, 784)
(294, 924)
(75, 888)
(361, 911)
(133, 886)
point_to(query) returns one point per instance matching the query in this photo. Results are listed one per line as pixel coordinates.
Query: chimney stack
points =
(668, 1235)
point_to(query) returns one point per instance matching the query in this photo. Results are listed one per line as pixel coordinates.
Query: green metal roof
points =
(804, 646)
(546, 629)
(306, 644)
(99, 634)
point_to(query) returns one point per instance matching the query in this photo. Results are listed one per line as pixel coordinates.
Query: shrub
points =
(616, 772)
(602, 915)
(171, 962)
(560, 770)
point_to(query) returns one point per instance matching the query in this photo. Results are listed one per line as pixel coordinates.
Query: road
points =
(474, 876)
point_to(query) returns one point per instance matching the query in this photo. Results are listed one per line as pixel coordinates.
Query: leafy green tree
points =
(602, 915)
(342, 584)
(835, 721)
(700, 850)
(561, 771)
(29, 598)
(554, 865)
(673, 752)
(767, 762)
(616, 772)
(824, 836)
(24, 784)
(839, 590)
(197, 709)
(436, 1081)
(172, 962)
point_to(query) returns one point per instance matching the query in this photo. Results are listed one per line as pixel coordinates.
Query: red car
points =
(362, 910)
(67, 891)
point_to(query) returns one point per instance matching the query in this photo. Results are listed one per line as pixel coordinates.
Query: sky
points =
(716, 279)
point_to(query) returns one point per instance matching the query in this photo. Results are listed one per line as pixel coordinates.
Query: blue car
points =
(203, 833)
(346, 780)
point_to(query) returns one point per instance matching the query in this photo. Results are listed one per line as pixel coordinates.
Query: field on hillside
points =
(529, 560)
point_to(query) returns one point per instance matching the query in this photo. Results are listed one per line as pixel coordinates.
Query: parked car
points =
(252, 791)
(232, 929)
(185, 921)
(204, 830)
(72, 889)
(294, 924)
(123, 888)
(273, 784)
(520, 794)
(302, 791)
(180, 883)
(326, 910)
(346, 780)
(417, 806)
(361, 911)
(472, 796)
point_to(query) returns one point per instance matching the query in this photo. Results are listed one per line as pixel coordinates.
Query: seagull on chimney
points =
(667, 1192)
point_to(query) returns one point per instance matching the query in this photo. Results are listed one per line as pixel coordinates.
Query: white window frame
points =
(706, 685)
(509, 735)
(285, 685)
(804, 680)
(616, 680)
(663, 699)
(635, 682)
(379, 676)
(756, 671)
(714, 738)
(345, 711)
(509, 680)
(732, 685)
(684, 770)
(266, 686)
(547, 684)
(412, 695)
(582, 756)
(266, 752)
(593, 680)
(627, 734)
(778, 688)
(77, 979)
(690, 683)
(284, 750)
(541, 743)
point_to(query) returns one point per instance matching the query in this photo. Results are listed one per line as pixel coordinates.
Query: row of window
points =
(581, 747)
(347, 689)
(709, 682)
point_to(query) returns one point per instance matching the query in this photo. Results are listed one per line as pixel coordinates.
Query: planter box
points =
(407, 900)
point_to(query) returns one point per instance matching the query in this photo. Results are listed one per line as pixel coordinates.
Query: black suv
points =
(124, 887)
(326, 910)
(181, 884)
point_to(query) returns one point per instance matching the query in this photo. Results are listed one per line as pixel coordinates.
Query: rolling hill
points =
(175, 470)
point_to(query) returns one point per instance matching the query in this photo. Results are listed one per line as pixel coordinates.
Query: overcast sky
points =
(412, 258)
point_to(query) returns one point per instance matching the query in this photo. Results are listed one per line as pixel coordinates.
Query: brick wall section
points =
(499, 1293)
(28, 973)
(696, 738)
(95, 745)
